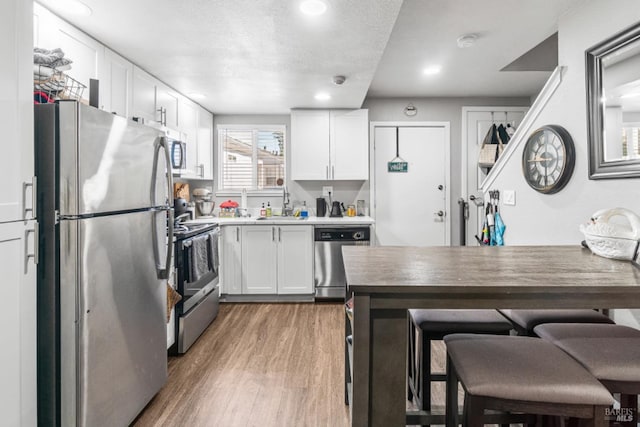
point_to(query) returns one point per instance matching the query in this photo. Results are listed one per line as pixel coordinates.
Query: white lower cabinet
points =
(18, 314)
(267, 259)
(231, 260)
(295, 259)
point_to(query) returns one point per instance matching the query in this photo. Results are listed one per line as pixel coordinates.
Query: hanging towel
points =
(214, 260)
(199, 254)
(500, 227)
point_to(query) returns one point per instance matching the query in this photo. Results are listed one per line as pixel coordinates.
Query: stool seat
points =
(526, 320)
(522, 369)
(434, 321)
(610, 352)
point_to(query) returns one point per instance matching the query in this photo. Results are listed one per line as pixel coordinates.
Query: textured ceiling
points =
(264, 56)
(426, 32)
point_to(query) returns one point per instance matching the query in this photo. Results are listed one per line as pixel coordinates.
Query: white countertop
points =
(312, 220)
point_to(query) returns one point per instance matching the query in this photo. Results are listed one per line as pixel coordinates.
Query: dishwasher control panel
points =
(342, 234)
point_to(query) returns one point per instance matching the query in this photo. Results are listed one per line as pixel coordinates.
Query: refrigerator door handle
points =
(162, 144)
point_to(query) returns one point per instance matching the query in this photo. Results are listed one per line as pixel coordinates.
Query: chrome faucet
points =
(286, 210)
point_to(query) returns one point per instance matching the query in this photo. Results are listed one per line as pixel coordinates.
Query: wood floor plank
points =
(258, 365)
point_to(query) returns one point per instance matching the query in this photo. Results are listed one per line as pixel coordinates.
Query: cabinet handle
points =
(201, 167)
(279, 234)
(34, 197)
(237, 234)
(273, 234)
(27, 255)
(333, 172)
(326, 172)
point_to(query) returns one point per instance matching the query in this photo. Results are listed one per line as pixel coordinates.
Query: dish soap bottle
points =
(268, 209)
(304, 213)
(263, 211)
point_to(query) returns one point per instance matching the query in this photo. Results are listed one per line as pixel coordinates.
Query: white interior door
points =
(478, 122)
(410, 207)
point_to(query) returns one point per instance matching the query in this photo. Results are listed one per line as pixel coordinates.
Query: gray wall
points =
(439, 110)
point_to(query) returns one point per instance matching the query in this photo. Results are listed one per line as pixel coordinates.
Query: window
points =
(251, 157)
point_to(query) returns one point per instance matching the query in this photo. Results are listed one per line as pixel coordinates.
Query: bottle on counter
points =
(268, 210)
(304, 212)
(263, 211)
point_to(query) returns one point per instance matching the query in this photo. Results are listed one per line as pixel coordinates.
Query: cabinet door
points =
(18, 315)
(189, 131)
(259, 259)
(115, 90)
(295, 259)
(350, 144)
(205, 144)
(144, 95)
(231, 260)
(309, 145)
(86, 53)
(16, 110)
(167, 100)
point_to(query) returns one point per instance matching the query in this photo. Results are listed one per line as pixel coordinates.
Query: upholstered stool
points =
(429, 325)
(519, 374)
(525, 320)
(610, 352)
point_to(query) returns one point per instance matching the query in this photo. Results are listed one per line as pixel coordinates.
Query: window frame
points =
(255, 128)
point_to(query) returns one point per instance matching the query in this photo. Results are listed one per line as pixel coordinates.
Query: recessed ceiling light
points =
(313, 7)
(196, 95)
(74, 7)
(430, 71)
(322, 96)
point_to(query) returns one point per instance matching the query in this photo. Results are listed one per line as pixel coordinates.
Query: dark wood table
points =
(386, 281)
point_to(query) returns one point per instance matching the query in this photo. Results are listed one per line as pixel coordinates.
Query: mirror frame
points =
(599, 168)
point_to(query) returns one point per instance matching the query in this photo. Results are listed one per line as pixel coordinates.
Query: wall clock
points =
(548, 159)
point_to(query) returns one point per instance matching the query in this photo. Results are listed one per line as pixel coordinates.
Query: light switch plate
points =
(509, 198)
(326, 191)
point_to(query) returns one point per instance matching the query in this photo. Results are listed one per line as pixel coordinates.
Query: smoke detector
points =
(338, 80)
(467, 40)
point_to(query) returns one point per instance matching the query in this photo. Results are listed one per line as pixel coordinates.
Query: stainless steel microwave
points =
(178, 152)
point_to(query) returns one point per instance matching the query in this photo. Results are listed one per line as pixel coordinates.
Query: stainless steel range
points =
(197, 266)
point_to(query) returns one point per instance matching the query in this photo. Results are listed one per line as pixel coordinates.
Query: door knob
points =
(440, 187)
(440, 214)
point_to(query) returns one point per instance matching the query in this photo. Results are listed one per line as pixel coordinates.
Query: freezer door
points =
(120, 335)
(107, 163)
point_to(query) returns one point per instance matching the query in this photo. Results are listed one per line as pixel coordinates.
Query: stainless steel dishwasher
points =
(330, 281)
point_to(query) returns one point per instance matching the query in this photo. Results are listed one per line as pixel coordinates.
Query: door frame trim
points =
(447, 170)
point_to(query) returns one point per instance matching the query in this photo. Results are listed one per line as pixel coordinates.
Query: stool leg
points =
(474, 412)
(411, 364)
(451, 407)
(425, 370)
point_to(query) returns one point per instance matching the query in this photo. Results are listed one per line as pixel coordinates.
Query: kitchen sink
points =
(281, 218)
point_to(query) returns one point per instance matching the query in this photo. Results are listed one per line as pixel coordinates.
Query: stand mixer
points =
(204, 202)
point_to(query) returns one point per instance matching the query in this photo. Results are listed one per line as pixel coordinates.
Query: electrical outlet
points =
(509, 198)
(326, 191)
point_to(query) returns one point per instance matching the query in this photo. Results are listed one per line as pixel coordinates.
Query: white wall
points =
(539, 219)
(554, 219)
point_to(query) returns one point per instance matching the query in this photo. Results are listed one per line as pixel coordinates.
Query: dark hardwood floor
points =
(258, 365)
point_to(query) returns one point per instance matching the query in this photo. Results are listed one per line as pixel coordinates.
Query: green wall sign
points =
(397, 167)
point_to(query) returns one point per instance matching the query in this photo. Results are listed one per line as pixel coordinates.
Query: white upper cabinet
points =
(329, 145)
(189, 132)
(144, 95)
(310, 144)
(350, 144)
(205, 144)
(116, 84)
(87, 54)
(167, 106)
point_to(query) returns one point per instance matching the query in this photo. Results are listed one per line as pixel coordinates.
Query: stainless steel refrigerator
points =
(105, 248)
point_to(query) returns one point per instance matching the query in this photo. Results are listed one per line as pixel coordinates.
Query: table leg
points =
(379, 370)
